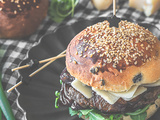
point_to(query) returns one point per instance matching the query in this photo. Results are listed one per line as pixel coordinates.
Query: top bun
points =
(20, 18)
(114, 59)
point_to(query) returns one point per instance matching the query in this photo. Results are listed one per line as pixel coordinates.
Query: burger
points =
(112, 73)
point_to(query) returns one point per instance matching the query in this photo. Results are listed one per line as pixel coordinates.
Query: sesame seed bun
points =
(21, 18)
(114, 59)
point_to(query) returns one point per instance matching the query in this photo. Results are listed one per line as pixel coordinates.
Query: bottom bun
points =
(150, 111)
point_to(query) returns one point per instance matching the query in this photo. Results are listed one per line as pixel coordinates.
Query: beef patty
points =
(71, 97)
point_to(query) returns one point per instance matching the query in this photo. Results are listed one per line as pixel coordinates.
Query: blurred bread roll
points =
(102, 4)
(21, 18)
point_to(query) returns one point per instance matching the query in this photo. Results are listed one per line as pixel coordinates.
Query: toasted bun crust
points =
(114, 59)
(21, 18)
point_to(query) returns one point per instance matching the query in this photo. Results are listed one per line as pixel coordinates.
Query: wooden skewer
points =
(21, 67)
(16, 85)
(42, 61)
(114, 7)
(46, 60)
(45, 65)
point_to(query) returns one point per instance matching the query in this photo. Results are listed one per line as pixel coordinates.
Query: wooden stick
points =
(45, 65)
(16, 85)
(21, 67)
(114, 7)
(46, 60)
(42, 61)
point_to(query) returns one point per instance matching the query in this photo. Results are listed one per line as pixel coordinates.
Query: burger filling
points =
(93, 99)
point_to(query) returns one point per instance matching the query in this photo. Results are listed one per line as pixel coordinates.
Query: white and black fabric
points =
(16, 50)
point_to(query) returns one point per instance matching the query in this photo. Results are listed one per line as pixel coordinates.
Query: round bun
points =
(114, 59)
(21, 18)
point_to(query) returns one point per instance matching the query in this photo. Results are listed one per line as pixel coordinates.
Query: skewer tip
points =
(16, 85)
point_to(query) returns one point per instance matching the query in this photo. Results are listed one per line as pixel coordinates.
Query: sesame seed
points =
(135, 62)
(75, 62)
(85, 56)
(37, 6)
(18, 5)
(15, 12)
(112, 45)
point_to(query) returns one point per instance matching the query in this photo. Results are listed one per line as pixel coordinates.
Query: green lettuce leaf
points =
(139, 111)
(60, 9)
(159, 96)
(87, 111)
(57, 94)
(73, 112)
(141, 116)
(115, 117)
(93, 114)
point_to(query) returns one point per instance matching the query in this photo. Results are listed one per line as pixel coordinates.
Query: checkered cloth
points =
(16, 50)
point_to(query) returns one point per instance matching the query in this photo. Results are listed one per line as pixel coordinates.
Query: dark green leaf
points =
(138, 111)
(159, 96)
(4, 104)
(96, 116)
(141, 116)
(57, 93)
(111, 117)
(87, 116)
(56, 103)
(89, 113)
(115, 117)
(93, 114)
(56, 100)
(60, 9)
(85, 112)
(73, 112)
(80, 115)
(61, 82)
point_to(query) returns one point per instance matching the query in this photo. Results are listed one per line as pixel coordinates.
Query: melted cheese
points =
(79, 86)
(127, 94)
(110, 98)
(139, 91)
